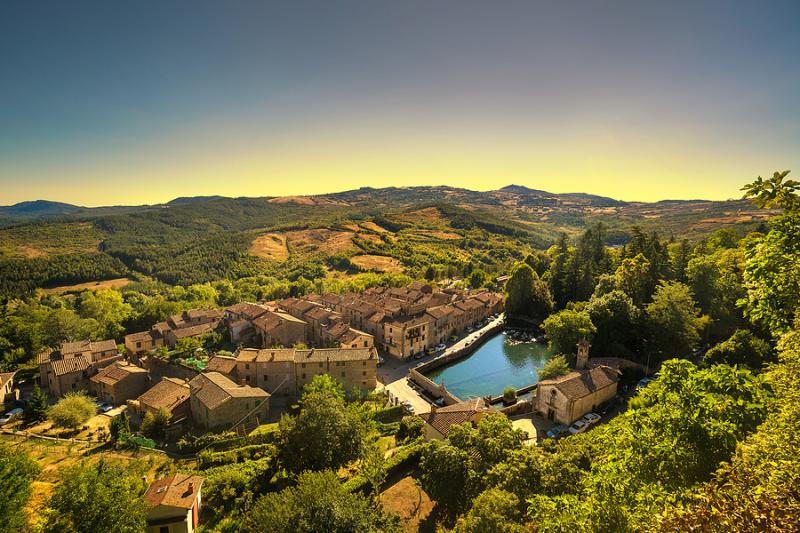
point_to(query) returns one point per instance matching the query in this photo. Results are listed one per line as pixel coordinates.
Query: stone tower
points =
(583, 354)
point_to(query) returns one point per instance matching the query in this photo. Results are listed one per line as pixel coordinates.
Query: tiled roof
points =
(443, 418)
(580, 383)
(247, 309)
(141, 336)
(193, 331)
(267, 322)
(114, 373)
(335, 354)
(166, 394)
(213, 389)
(249, 355)
(44, 357)
(5, 377)
(221, 364)
(178, 490)
(72, 364)
(75, 347)
(210, 314)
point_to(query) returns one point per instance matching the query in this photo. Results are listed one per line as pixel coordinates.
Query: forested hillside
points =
(449, 231)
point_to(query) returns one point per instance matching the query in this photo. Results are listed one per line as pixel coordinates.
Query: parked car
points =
(419, 355)
(381, 360)
(9, 416)
(557, 431)
(578, 426)
(470, 329)
(440, 347)
(439, 402)
(643, 383)
(591, 418)
(106, 407)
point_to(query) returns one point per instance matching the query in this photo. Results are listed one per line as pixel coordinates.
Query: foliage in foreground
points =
(318, 503)
(17, 472)
(102, 496)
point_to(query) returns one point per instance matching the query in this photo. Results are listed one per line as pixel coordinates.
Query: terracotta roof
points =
(267, 322)
(221, 364)
(44, 357)
(193, 331)
(213, 389)
(5, 377)
(249, 355)
(443, 418)
(166, 394)
(116, 372)
(72, 364)
(178, 490)
(247, 309)
(141, 336)
(580, 383)
(441, 311)
(212, 314)
(336, 354)
(289, 318)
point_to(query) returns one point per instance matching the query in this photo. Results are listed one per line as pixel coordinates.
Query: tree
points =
(327, 433)
(565, 328)
(771, 276)
(633, 277)
(107, 307)
(617, 321)
(318, 503)
(446, 475)
(188, 346)
(102, 496)
(120, 426)
(373, 468)
(556, 366)
(673, 320)
(493, 511)
(742, 348)
(509, 395)
(72, 410)
(154, 424)
(36, 410)
(17, 472)
(526, 294)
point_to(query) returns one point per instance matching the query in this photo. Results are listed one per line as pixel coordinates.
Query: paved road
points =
(392, 375)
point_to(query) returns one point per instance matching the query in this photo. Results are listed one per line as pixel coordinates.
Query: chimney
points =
(191, 488)
(583, 354)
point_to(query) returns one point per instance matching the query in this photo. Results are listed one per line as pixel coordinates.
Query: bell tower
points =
(583, 354)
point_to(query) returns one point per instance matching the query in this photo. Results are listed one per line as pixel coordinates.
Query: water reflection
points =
(500, 362)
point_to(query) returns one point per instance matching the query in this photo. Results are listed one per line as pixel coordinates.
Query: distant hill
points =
(39, 208)
(183, 200)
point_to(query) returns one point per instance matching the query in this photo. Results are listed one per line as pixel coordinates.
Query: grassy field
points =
(43, 240)
(378, 263)
(408, 500)
(117, 283)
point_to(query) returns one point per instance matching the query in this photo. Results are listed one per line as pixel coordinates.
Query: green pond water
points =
(498, 363)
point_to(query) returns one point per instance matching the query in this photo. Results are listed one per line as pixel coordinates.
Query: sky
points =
(107, 103)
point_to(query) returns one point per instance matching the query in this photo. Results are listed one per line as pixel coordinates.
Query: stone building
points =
(218, 403)
(119, 382)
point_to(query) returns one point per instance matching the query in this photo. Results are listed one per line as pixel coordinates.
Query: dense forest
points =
(709, 445)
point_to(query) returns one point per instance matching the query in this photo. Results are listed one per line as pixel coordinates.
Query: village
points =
(384, 339)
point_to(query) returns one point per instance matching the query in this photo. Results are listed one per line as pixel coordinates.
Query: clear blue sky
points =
(139, 102)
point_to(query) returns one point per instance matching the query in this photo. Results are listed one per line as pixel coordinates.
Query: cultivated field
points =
(117, 283)
(408, 500)
(378, 263)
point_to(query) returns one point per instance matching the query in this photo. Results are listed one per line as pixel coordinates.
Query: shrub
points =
(72, 410)
(556, 366)
(410, 428)
(509, 395)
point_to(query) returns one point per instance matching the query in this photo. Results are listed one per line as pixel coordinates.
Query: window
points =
(266, 377)
(139, 344)
(364, 373)
(247, 366)
(342, 374)
(303, 365)
(365, 344)
(363, 363)
(320, 365)
(304, 376)
(163, 529)
(247, 379)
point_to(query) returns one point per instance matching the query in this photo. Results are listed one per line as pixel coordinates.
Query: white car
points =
(106, 407)
(578, 427)
(9, 415)
(591, 418)
(440, 347)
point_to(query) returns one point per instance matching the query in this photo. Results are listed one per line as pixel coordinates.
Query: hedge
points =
(402, 458)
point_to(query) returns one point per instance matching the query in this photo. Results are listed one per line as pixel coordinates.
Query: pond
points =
(498, 363)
